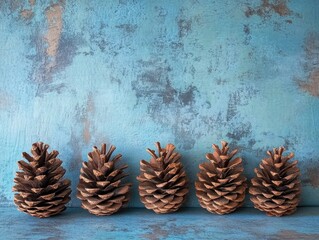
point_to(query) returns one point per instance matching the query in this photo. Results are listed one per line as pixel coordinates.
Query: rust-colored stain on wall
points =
(89, 113)
(27, 14)
(269, 7)
(312, 85)
(313, 176)
(290, 234)
(32, 2)
(54, 18)
(311, 65)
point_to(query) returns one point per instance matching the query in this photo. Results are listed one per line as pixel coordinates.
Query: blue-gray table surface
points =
(136, 223)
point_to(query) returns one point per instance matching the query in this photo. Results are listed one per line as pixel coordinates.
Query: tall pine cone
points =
(221, 184)
(101, 189)
(276, 188)
(41, 190)
(162, 182)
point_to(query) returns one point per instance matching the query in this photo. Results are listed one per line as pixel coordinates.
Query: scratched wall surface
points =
(78, 73)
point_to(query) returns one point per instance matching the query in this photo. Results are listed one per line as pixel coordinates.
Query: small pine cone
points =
(221, 184)
(101, 188)
(41, 191)
(276, 188)
(163, 182)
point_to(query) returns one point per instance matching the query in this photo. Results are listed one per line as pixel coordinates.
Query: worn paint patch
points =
(128, 28)
(311, 65)
(313, 176)
(75, 146)
(269, 7)
(247, 32)
(5, 100)
(310, 173)
(312, 86)
(164, 100)
(156, 233)
(52, 38)
(27, 14)
(54, 50)
(241, 131)
(240, 97)
(32, 2)
(166, 230)
(14, 5)
(89, 113)
(184, 27)
(292, 234)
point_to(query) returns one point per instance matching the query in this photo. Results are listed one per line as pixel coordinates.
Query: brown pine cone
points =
(101, 188)
(276, 188)
(221, 184)
(41, 191)
(162, 182)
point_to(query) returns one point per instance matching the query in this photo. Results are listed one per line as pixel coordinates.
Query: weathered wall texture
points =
(79, 73)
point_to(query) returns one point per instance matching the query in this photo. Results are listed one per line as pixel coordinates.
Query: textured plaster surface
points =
(78, 73)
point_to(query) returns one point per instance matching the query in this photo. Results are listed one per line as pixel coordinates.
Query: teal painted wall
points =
(76, 73)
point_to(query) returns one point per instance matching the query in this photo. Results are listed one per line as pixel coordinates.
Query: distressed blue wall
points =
(79, 73)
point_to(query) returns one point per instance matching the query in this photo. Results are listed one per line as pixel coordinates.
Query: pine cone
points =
(276, 188)
(41, 190)
(162, 182)
(101, 189)
(221, 184)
